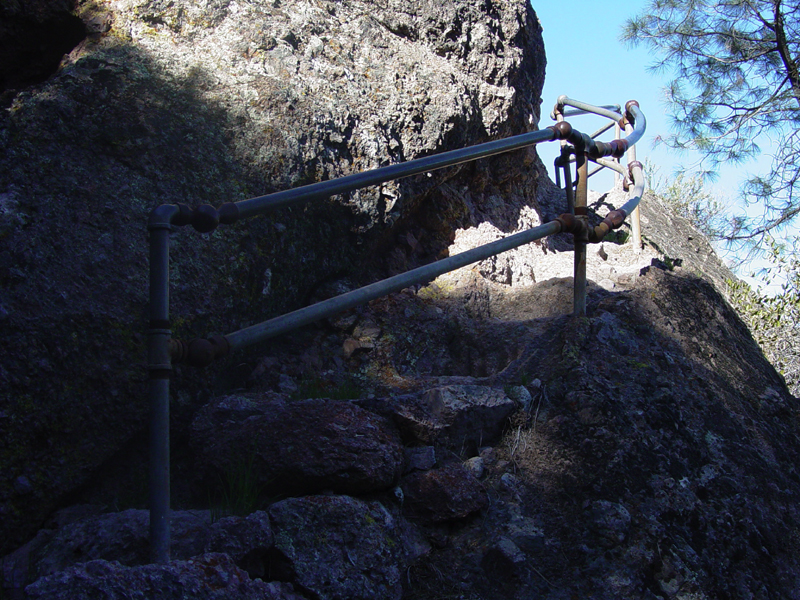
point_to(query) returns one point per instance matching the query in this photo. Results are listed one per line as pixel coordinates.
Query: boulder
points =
(341, 548)
(203, 102)
(458, 417)
(207, 577)
(444, 494)
(298, 446)
(123, 537)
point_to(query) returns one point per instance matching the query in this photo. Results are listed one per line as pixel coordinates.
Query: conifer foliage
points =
(736, 67)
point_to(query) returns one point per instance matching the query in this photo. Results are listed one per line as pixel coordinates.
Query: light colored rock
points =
(457, 416)
(475, 466)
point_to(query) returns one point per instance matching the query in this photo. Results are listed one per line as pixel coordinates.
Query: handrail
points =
(164, 351)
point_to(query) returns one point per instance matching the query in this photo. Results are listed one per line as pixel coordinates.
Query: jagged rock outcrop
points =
(298, 447)
(200, 101)
(123, 537)
(207, 577)
(341, 547)
(490, 445)
(455, 417)
(656, 457)
(449, 493)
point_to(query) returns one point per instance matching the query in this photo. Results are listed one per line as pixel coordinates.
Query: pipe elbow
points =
(161, 217)
(561, 131)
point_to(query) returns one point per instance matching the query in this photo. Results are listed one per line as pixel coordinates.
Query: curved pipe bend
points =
(571, 224)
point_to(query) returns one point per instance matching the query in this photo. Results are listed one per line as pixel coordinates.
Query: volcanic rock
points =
(207, 577)
(203, 102)
(341, 548)
(299, 446)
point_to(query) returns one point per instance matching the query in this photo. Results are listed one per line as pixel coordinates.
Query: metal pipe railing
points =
(349, 183)
(424, 274)
(636, 222)
(610, 111)
(615, 108)
(163, 351)
(581, 237)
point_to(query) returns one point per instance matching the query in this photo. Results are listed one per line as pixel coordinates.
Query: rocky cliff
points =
(203, 102)
(464, 439)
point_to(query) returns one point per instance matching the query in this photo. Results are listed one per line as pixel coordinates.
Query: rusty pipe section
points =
(615, 148)
(571, 224)
(609, 111)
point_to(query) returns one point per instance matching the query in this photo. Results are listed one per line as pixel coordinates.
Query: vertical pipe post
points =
(160, 368)
(566, 154)
(636, 223)
(617, 133)
(582, 238)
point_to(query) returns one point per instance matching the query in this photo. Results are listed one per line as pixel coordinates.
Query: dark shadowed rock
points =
(123, 537)
(459, 417)
(610, 520)
(341, 548)
(207, 577)
(444, 494)
(246, 540)
(299, 446)
(202, 102)
(419, 459)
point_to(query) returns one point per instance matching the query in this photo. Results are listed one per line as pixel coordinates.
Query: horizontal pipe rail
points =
(424, 274)
(578, 112)
(349, 183)
(602, 130)
(603, 111)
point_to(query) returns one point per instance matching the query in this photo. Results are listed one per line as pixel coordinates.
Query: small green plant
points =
(774, 319)
(318, 388)
(240, 492)
(617, 236)
(524, 378)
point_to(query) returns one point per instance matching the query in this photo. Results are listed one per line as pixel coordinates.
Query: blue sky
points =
(586, 61)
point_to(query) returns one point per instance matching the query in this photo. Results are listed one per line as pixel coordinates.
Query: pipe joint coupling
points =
(199, 352)
(628, 113)
(206, 218)
(575, 225)
(613, 220)
(561, 130)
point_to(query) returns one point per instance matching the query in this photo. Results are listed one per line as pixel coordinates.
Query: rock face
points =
(201, 101)
(491, 445)
(338, 547)
(123, 537)
(460, 418)
(301, 446)
(654, 456)
(445, 494)
(207, 577)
